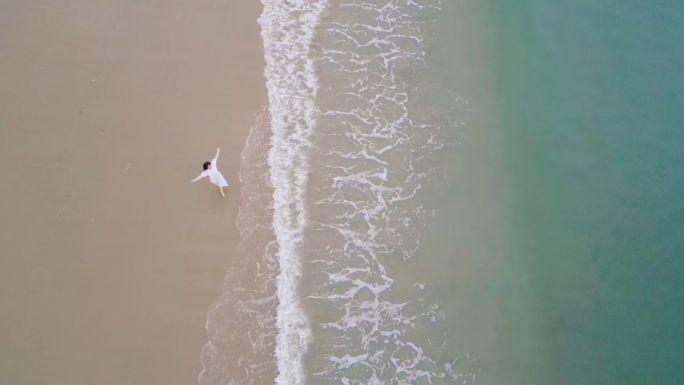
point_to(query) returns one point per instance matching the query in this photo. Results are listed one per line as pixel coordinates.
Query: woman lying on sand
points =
(215, 176)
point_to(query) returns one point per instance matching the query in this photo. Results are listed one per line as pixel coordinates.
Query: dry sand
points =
(110, 256)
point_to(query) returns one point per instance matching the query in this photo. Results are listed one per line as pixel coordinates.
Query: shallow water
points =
(461, 192)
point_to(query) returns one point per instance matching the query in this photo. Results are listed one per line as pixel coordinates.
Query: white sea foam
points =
(376, 135)
(287, 30)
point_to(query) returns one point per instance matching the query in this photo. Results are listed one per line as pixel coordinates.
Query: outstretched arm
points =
(198, 178)
(218, 151)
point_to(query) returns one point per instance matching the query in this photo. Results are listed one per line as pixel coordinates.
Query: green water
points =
(563, 222)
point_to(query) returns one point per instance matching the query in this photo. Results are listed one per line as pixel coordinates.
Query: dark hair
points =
(205, 165)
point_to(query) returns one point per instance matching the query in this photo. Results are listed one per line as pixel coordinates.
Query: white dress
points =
(215, 175)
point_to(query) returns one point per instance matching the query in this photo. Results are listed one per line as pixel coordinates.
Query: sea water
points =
(460, 192)
(567, 215)
(590, 95)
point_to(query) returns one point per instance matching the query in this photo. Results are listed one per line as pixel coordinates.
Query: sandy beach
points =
(110, 256)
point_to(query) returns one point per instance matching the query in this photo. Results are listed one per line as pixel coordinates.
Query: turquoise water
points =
(564, 227)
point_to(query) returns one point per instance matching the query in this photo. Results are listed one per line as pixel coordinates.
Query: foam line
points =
(287, 30)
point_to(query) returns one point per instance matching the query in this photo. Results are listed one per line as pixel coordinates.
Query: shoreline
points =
(107, 132)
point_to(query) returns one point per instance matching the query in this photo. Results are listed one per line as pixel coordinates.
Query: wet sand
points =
(110, 256)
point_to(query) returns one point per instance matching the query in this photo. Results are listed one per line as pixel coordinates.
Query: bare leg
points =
(222, 193)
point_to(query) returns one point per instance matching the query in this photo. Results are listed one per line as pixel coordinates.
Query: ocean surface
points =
(460, 192)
